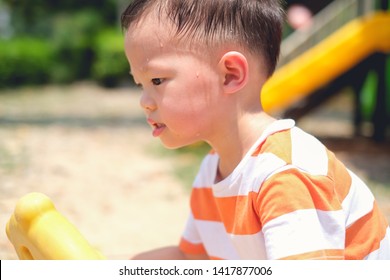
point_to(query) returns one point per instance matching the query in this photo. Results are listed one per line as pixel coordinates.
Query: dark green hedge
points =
(25, 61)
(110, 66)
(33, 61)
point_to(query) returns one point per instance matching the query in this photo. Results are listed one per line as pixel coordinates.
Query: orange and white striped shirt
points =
(289, 198)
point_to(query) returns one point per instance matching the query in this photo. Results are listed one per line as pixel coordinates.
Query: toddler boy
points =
(267, 190)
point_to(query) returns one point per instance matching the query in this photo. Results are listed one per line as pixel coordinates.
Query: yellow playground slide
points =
(326, 61)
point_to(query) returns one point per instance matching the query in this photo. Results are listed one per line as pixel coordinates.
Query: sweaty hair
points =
(255, 25)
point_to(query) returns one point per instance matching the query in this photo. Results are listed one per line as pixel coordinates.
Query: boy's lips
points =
(158, 128)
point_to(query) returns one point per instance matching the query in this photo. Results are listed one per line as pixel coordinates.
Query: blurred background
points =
(71, 127)
(61, 42)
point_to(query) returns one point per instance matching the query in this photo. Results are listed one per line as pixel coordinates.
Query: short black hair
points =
(255, 25)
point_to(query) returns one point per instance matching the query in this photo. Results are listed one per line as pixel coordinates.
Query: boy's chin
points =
(174, 146)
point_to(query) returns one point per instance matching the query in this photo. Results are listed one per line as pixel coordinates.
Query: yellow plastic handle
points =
(39, 232)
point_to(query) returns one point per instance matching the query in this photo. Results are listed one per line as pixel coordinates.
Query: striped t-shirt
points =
(289, 198)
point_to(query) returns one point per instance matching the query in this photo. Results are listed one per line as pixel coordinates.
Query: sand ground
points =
(91, 152)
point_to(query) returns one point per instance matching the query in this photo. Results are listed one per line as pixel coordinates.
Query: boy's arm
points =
(168, 253)
(301, 217)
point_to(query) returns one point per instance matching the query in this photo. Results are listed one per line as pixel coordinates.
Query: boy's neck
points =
(238, 140)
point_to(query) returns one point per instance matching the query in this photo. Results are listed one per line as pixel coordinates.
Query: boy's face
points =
(179, 87)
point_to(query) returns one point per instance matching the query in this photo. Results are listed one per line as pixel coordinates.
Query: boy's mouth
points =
(158, 128)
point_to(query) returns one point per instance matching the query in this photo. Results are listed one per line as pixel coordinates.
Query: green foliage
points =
(73, 37)
(368, 95)
(25, 61)
(64, 49)
(111, 66)
(36, 17)
(387, 78)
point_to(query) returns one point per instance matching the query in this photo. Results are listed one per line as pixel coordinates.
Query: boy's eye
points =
(157, 81)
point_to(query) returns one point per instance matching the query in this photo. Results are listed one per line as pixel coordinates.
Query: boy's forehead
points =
(150, 25)
(149, 35)
(155, 34)
(146, 39)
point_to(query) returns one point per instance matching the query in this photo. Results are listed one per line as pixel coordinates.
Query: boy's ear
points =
(234, 70)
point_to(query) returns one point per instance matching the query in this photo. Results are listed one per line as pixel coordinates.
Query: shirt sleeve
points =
(191, 242)
(301, 217)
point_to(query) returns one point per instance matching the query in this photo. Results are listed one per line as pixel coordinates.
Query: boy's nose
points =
(147, 103)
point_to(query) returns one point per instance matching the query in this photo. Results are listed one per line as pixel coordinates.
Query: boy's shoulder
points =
(296, 148)
(282, 144)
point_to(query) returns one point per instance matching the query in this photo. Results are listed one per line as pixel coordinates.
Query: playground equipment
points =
(39, 232)
(327, 60)
(350, 41)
